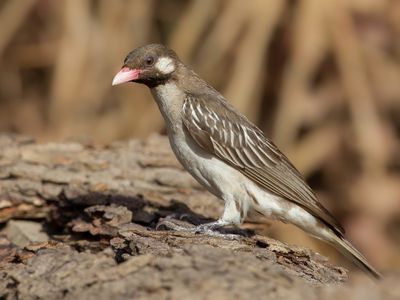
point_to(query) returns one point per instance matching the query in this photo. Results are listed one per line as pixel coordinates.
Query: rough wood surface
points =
(81, 222)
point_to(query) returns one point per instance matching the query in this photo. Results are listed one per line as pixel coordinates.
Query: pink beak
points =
(125, 75)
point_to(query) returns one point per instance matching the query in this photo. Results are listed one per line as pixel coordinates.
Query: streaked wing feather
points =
(219, 129)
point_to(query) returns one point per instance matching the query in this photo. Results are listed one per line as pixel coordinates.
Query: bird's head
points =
(151, 65)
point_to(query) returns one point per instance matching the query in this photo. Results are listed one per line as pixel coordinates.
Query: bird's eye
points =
(149, 60)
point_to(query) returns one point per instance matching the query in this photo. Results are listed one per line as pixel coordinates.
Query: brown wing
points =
(216, 126)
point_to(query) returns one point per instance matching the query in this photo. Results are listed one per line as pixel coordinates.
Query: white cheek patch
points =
(165, 65)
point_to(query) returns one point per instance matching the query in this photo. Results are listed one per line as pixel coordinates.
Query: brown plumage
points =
(222, 131)
(228, 154)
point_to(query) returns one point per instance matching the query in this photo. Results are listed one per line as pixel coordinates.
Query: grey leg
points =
(231, 216)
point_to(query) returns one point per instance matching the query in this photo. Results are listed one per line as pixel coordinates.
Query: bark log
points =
(90, 230)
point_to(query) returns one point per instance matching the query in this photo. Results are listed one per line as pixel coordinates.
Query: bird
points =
(229, 155)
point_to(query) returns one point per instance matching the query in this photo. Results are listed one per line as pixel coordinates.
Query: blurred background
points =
(321, 78)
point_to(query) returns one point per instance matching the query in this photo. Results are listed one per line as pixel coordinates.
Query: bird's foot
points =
(174, 224)
(212, 227)
(207, 228)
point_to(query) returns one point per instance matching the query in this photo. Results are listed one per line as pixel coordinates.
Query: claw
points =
(208, 228)
(170, 223)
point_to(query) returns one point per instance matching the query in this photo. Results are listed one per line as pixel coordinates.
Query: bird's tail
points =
(348, 250)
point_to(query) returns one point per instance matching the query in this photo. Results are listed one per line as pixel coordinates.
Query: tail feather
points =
(348, 250)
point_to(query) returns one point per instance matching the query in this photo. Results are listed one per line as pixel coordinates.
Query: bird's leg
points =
(211, 226)
(231, 216)
(203, 228)
(210, 229)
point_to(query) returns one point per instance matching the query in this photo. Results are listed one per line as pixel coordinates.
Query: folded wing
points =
(216, 126)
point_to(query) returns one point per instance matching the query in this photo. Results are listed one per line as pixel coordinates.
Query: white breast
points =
(169, 99)
(204, 167)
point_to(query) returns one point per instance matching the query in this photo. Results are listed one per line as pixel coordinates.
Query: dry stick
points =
(315, 148)
(384, 71)
(245, 85)
(316, 110)
(121, 27)
(118, 28)
(83, 53)
(127, 25)
(368, 127)
(69, 74)
(35, 55)
(309, 48)
(185, 38)
(221, 39)
(12, 15)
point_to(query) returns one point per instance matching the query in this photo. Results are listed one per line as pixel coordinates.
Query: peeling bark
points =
(100, 208)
